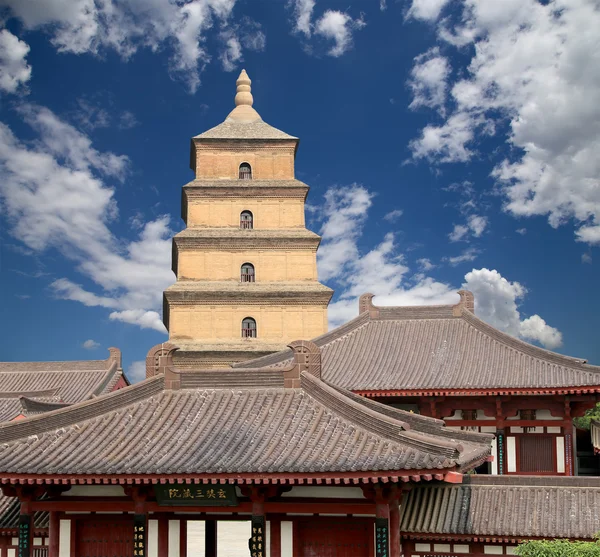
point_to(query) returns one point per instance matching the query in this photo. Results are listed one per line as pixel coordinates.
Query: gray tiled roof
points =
(506, 507)
(53, 382)
(247, 425)
(231, 129)
(430, 348)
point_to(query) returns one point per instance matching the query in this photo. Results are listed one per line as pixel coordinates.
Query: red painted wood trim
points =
(275, 527)
(54, 538)
(395, 550)
(318, 506)
(314, 478)
(479, 392)
(163, 536)
(183, 537)
(475, 538)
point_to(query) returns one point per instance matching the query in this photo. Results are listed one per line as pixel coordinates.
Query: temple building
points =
(444, 362)
(245, 264)
(408, 431)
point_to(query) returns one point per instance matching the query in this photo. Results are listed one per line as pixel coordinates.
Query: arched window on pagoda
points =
(248, 328)
(247, 274)
(246, 220)
(245, 171)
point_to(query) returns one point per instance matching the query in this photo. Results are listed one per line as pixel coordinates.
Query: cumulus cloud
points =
(459, 232)
(85, 26)
(496, 302)
(14, 70)
(56, 194)
(384, 271)
(532, 77)
(90, 344)
(426, 10)
(429, 80)
(338, 27)
(136, 371)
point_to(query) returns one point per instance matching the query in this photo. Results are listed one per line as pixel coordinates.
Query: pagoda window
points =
(247, 274)
(246, 220)
(245, 171)
(248, 328)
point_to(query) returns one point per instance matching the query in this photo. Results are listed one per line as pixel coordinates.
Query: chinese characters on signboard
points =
(195, 495)
(24, 535)
(139, 535)
(381, 537)
(257, 540)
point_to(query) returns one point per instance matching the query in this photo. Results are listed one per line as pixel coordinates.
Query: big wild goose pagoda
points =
(415, 431)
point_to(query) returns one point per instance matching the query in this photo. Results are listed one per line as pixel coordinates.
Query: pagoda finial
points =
(243, 111)
(244, 94)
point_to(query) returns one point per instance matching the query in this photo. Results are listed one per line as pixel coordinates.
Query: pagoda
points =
(245, 263)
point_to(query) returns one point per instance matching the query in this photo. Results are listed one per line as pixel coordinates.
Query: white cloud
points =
(303, 10)
(90, 344)
(477, 224)
(522, 231)
(536, 329)
(394, 215)
(136, 371)
(586, 258)
(425, 264)
(55, 195)
(232, 53)
(496, 302)
(459, 232)
(466, 256)
(88, 26)
(534, 77)
(338, 27)
(14, 70)
(384, 272)
(427, 10)
(429, 80)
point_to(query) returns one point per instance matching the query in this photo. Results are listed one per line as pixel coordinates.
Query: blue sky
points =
(447, 144)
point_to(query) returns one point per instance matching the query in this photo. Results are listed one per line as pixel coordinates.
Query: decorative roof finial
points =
(243, 95)
(243, 111)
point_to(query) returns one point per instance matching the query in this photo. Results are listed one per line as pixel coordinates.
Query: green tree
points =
(558, 548)
(591, 414)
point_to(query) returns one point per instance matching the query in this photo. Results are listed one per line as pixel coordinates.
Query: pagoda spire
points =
(243, 111)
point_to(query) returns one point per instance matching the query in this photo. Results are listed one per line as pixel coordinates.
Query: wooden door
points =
(333, 537)
(105, 538)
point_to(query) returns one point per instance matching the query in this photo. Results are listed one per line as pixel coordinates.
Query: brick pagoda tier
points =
(245, 265)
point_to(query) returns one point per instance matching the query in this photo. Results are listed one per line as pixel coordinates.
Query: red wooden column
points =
(163, 536)
(140, 521)
(382, 528)
(54, 531)
(183, 537)
(258, 530)
(275, 537)
(395, 528)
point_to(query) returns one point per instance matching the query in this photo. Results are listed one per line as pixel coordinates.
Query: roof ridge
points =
(526, 347)
(228, 379)
(104, 382)
(81, 411)
(375, 422)
(42, 393)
